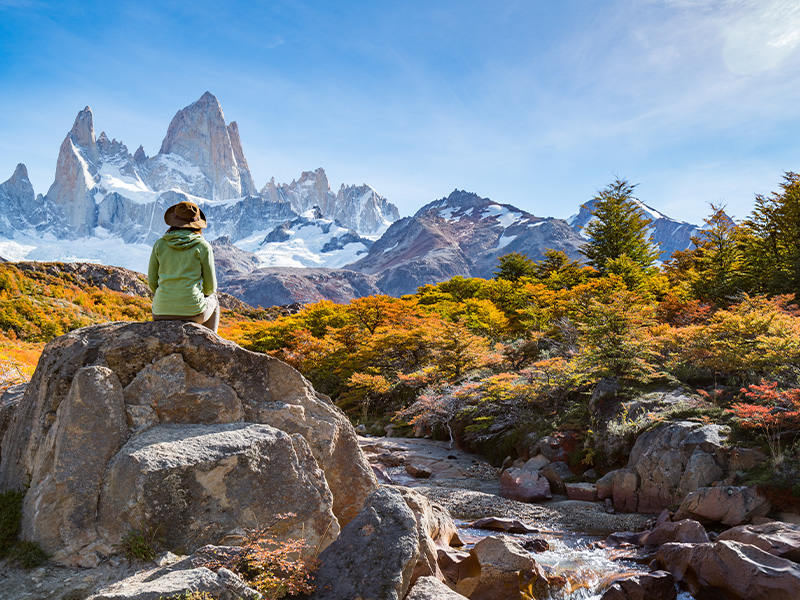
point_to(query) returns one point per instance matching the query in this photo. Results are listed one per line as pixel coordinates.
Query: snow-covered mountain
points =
(668, 233)
(462, 234)
(103, 197)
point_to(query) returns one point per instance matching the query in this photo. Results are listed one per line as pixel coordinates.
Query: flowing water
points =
(588, 569)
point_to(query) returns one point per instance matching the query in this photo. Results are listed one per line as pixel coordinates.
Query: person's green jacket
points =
(181, 273)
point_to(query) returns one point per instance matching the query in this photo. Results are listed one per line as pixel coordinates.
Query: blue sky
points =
(535, 103)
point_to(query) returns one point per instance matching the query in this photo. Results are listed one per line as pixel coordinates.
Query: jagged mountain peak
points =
(139, 156)
(82, 132)
(200, 118)
(198, 134)
(20, 175)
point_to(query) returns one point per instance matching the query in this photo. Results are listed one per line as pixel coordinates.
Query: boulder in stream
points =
(658, 585)
(726, 504)
(731, 570)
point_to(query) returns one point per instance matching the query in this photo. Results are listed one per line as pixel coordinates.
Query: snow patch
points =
(505, 241)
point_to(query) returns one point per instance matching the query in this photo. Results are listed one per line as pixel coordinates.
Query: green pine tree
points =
(514, 266)
(771, 240)
(618, 227)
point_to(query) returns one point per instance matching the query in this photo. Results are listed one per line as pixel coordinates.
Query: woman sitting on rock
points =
(181, 272)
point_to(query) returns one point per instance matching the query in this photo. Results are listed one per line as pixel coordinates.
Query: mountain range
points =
(281, 244)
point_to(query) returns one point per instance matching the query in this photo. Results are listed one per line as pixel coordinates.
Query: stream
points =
(469, 487)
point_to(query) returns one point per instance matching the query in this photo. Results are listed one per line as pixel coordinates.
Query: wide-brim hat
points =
(185, 215)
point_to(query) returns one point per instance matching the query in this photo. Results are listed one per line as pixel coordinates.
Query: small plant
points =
(274, 568)
(10, 516)
(141, 545)
(189, 595)
(28, 554)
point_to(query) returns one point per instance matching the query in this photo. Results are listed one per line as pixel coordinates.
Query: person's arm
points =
(208, 271)
(152, 270)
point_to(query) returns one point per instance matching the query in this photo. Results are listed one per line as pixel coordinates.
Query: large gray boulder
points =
(375, 555)
(103, 388)
(201, 484)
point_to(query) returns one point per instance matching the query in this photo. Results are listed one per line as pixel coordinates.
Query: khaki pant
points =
(208, 318)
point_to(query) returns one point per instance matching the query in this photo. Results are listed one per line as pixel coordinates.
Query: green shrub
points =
(10, 516)
(142, 545)
(28, 554)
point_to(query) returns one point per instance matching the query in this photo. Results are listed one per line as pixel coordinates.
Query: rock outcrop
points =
(166, 426)
(726, 504)
(665, 465)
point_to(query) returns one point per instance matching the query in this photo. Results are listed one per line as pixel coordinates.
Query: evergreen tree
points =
(514, 266)
(771, 240)
(618, 227)
(718, 259)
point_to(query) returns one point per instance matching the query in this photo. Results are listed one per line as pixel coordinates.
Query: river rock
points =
(586, 492)
(658, 585)
(556, 473)
(537, 463)
(621, 487)
(375, 554)
(776, 537)
(496, 565)
(731, 570)
(503, 524)
(201, 484)
(156, 584)
(726, 504)
(686, 530)
(524, 485)
(430, 588)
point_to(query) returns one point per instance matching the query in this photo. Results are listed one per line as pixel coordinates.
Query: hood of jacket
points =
(182, 240)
